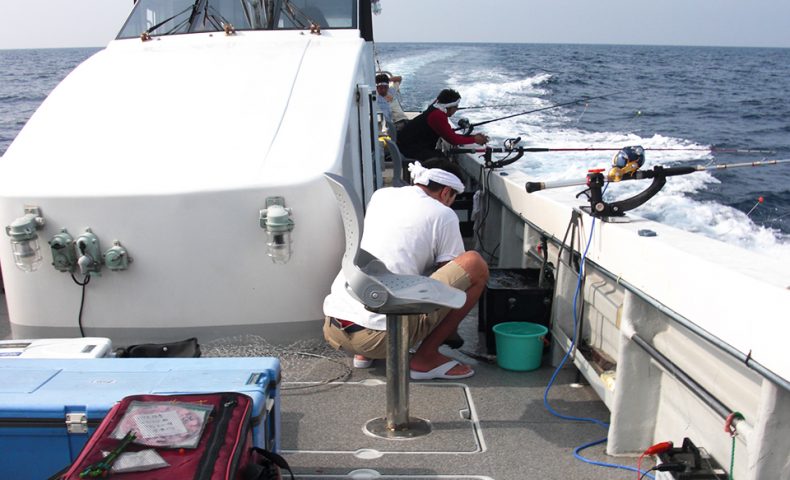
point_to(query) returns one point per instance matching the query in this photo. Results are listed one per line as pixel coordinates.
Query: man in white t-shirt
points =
(388, 99)
(413, 231)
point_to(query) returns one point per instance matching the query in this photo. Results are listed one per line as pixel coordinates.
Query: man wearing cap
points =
(418, 138)
(413, 231)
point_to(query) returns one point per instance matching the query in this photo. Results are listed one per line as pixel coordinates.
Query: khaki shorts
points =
(372, 343)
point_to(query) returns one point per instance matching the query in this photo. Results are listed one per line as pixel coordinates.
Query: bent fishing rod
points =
(470, 126)
(596, 179)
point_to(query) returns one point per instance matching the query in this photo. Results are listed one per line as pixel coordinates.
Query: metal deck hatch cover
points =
(330, 419)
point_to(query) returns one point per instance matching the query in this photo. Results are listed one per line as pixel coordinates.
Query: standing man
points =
(413, 231)
(418, 138)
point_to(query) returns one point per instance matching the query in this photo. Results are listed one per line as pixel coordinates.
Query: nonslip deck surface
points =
(517, 438)
(343, 409)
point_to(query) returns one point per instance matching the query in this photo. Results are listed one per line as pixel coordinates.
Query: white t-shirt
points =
(397, 111)
(411, 233)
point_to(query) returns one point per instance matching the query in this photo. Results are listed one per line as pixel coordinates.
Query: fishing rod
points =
(476, 107)
(471, 126)
(613, 149)
(596, 179)
(620, 159)
(654, 149)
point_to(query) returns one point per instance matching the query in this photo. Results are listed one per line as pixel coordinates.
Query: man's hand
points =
(481, 139)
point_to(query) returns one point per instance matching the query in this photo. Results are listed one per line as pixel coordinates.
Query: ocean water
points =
(669, 97)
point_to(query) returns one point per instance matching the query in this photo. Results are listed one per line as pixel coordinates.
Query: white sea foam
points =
(557, 128)
(408, 65)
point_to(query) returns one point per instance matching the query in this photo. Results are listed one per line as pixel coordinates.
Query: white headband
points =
(422, 176)
(444, 106)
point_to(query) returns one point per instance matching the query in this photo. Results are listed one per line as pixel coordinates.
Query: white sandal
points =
(361, 361)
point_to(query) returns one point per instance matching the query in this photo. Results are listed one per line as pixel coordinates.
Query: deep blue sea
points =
(672, 97)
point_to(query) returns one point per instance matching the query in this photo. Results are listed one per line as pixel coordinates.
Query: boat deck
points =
(491, 426)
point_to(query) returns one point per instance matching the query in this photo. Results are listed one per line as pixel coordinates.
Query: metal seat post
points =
(397, 423)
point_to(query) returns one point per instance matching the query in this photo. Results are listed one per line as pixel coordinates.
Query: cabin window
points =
(171, 17)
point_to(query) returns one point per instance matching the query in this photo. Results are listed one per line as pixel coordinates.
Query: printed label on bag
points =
(160, 424)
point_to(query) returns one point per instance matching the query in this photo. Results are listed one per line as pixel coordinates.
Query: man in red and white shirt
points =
(417, 140)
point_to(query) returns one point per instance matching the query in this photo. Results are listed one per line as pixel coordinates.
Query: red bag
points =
(216, 424)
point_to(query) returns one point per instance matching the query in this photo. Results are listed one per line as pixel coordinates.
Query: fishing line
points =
(759, 201)
(582, 114)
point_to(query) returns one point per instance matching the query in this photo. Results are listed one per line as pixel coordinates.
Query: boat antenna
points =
(563, 104)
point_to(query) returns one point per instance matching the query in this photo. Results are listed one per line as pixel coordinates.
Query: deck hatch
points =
(330, 420)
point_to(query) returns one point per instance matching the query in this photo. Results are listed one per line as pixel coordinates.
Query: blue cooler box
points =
(49, 408)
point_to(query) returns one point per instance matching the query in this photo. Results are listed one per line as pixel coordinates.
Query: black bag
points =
(188, 348)
(265, 465)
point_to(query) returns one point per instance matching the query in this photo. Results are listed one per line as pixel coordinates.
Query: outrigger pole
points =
(596, 179)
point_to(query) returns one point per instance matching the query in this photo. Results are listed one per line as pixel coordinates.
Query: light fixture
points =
(276, 220)
(24, 239)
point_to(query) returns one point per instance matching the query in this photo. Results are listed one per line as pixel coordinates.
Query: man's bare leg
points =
(427, 356)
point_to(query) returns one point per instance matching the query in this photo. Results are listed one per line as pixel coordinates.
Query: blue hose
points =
(562, 364)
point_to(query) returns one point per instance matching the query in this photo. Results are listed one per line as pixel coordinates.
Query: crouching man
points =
(413, 231)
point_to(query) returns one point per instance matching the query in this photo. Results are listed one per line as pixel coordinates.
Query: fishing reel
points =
(465, 125)
(626, 162)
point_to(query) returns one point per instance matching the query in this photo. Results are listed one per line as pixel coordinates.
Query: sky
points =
(743, 23)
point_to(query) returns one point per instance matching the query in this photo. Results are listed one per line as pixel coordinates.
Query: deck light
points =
(276, 220)
(24, 239)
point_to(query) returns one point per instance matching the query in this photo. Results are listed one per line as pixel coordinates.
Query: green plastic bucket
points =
(519, 345)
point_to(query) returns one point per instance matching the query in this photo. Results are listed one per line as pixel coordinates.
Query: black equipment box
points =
(463, 208)
(513, 295)
(693, 463)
